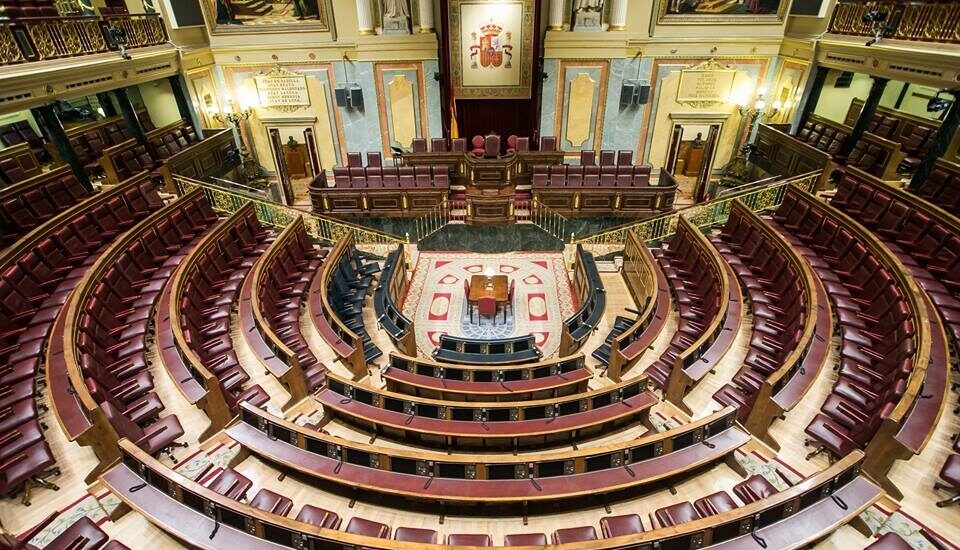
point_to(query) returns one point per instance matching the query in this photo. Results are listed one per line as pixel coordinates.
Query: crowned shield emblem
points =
(492, 46)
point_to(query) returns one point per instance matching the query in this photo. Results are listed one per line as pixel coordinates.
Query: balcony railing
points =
(915, 21)
(43, 38)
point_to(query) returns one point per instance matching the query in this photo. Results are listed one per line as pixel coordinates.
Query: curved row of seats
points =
(83, 534)
(392, 287)
(825, 137)
(424, 378)
(588, 287)
(345, 281)
(269, 318)
(890, 341)
(562, 175)
(629, 338)
(785, 353)
(28, 204)
(475, 351)
(193, 330)
(528, 423)
(39, 273)
(467, 479)
(709, 310)
(109, 321)
(213, 516)
(293, 262)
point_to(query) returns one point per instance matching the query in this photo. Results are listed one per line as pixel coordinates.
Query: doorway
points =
(294, 151)
(690, 158)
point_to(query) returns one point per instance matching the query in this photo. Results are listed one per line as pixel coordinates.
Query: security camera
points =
(119, 38)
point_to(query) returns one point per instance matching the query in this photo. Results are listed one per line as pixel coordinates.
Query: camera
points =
(874, 16)
(118, 36)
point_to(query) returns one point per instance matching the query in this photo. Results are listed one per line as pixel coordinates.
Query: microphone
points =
(136, 488)
(843, 505)
(216, 527)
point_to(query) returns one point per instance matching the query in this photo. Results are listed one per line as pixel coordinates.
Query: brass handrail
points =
(279, 216)
(703, 215)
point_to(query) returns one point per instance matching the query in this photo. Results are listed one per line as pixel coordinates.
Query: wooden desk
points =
(478, 289)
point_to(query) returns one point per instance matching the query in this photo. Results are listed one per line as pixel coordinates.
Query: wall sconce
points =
(232, 114)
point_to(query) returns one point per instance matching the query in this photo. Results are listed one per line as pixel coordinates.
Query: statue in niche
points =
(396, 16)
(587, 5)
(395, 8)
(587, 14)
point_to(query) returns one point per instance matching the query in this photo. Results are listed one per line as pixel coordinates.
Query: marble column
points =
(556, 15)
(941, 141)
(364, 17)
(618, 15)
(866, 115)
(426, 16)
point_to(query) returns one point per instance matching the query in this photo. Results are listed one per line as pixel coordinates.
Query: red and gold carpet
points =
(436, 301)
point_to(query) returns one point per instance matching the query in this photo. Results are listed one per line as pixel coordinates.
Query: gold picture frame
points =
(320, 24)
(699, 18)
(479, 42)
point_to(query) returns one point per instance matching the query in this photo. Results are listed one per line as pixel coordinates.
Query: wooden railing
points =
(43, 38)
(915, 21)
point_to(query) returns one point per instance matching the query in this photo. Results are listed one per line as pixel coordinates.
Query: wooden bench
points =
(210, 156)
(475, 351)
(456, 423)
(447, 381)
(799, 515)
(650, 291)
(781, 154)
(589, 290)
(498, 479)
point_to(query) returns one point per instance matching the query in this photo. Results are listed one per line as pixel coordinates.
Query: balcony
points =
(937, 21)
(31, 39)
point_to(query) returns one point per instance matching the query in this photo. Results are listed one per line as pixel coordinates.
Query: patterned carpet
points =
(437, 304)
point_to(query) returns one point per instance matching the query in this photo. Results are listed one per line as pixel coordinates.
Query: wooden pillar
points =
(940, 144)
(866, 114)
(130, 115)
(55, 132)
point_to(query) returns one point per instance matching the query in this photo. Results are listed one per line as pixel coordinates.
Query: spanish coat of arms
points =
(491, 47)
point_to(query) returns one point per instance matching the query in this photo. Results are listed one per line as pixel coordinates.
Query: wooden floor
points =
(916, 475)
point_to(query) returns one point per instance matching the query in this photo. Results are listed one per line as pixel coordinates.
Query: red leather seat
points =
(574, 534)
(154, 439)
(713, 504)
(469, 540)
(754, 488)
(525, 539)
(615, 526)
(268, 501)
(231, 484)
(678, 513)
(890, 541)
(950, 473)
(318, 517)
(82, 535)
(367, 528)
(413, 534)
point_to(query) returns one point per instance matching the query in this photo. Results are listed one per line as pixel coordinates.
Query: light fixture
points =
(232, 115)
